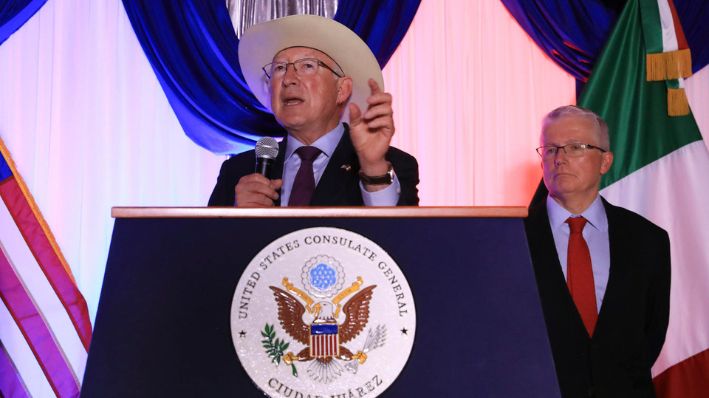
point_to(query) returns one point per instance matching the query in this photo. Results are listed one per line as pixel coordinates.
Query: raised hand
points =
(371, 132)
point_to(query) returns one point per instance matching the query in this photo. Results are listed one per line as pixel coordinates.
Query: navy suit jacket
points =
(633, 319)
(339, 184)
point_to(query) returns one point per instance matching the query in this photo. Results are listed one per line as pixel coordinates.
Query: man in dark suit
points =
(603, 272)
(313, 73)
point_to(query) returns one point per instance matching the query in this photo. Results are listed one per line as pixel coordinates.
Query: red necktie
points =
(304, 182)
(579, 274)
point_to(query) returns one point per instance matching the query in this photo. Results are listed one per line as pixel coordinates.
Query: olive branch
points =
(275, 347)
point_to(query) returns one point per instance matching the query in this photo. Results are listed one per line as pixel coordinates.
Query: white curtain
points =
(470, 89)
(89, 126)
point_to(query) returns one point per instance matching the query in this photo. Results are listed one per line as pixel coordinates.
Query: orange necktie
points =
(579, 274)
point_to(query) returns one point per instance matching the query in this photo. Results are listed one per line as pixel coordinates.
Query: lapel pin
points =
(346, 167)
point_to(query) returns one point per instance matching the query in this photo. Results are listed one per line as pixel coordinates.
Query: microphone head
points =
(266, 147)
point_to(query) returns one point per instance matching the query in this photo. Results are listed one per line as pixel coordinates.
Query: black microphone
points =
(266, 152)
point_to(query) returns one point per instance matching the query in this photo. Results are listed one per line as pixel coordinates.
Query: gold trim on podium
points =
(322, 212)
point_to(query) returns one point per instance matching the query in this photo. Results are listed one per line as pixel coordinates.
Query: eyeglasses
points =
(302, 67)
(573, 150)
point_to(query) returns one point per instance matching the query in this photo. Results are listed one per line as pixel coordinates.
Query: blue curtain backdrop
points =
(573, 33)
(192, 47)
(14, 13)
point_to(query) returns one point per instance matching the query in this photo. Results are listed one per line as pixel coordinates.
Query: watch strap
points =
(384, 179)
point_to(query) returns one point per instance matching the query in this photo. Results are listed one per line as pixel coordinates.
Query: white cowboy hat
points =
(261, 42)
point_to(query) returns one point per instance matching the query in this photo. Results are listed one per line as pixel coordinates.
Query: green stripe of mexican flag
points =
(661, 170)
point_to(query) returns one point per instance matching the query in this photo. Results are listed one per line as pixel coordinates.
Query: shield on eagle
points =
(324, 340)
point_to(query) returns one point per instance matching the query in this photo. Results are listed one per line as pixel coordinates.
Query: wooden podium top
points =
(325, 212)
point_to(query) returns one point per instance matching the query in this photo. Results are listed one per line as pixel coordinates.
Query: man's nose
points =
(560, 156)
(290, 75)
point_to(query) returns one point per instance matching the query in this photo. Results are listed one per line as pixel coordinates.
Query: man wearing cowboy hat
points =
(311, 72)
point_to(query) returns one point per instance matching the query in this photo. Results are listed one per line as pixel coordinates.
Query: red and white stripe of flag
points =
(44, 323)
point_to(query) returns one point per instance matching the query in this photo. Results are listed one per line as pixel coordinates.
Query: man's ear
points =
(606, 162)
(344, 89)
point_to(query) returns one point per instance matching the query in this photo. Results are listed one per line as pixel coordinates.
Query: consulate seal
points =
(323, 312)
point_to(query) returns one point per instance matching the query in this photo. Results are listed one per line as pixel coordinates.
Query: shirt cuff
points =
(388, 196)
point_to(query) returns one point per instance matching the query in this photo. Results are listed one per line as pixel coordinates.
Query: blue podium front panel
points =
(163, 322)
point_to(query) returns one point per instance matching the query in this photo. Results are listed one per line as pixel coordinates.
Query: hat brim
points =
(261, 42)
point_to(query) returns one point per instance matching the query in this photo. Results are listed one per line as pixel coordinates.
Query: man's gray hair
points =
(572, 110)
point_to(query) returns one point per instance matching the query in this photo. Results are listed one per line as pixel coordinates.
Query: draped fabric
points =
(694, 16)
(571, 33)
(192, 47)
(574, 33)
(380, 23)
(14, 13)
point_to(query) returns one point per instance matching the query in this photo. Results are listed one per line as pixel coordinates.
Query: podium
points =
(163, 323)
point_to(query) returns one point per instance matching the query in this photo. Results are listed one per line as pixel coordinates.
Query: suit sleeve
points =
(658, 305)
(407, 171)
(223, 193)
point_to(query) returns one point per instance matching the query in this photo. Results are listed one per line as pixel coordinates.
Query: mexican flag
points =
(661, 171)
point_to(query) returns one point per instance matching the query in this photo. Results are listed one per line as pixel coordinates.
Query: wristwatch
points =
(385, 179)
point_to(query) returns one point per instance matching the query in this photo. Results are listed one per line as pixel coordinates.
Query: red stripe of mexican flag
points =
(660, 171)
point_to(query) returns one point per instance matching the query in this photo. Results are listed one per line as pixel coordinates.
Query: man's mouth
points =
(291, 101)
(557, 175)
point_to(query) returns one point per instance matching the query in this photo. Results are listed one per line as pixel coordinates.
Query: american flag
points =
(44, 322)
(324, 340)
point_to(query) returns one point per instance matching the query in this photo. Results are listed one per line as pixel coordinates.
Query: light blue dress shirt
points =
(388, 196)
(595, 232)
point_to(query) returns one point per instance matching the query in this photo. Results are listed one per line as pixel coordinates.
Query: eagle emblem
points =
(322, 324)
